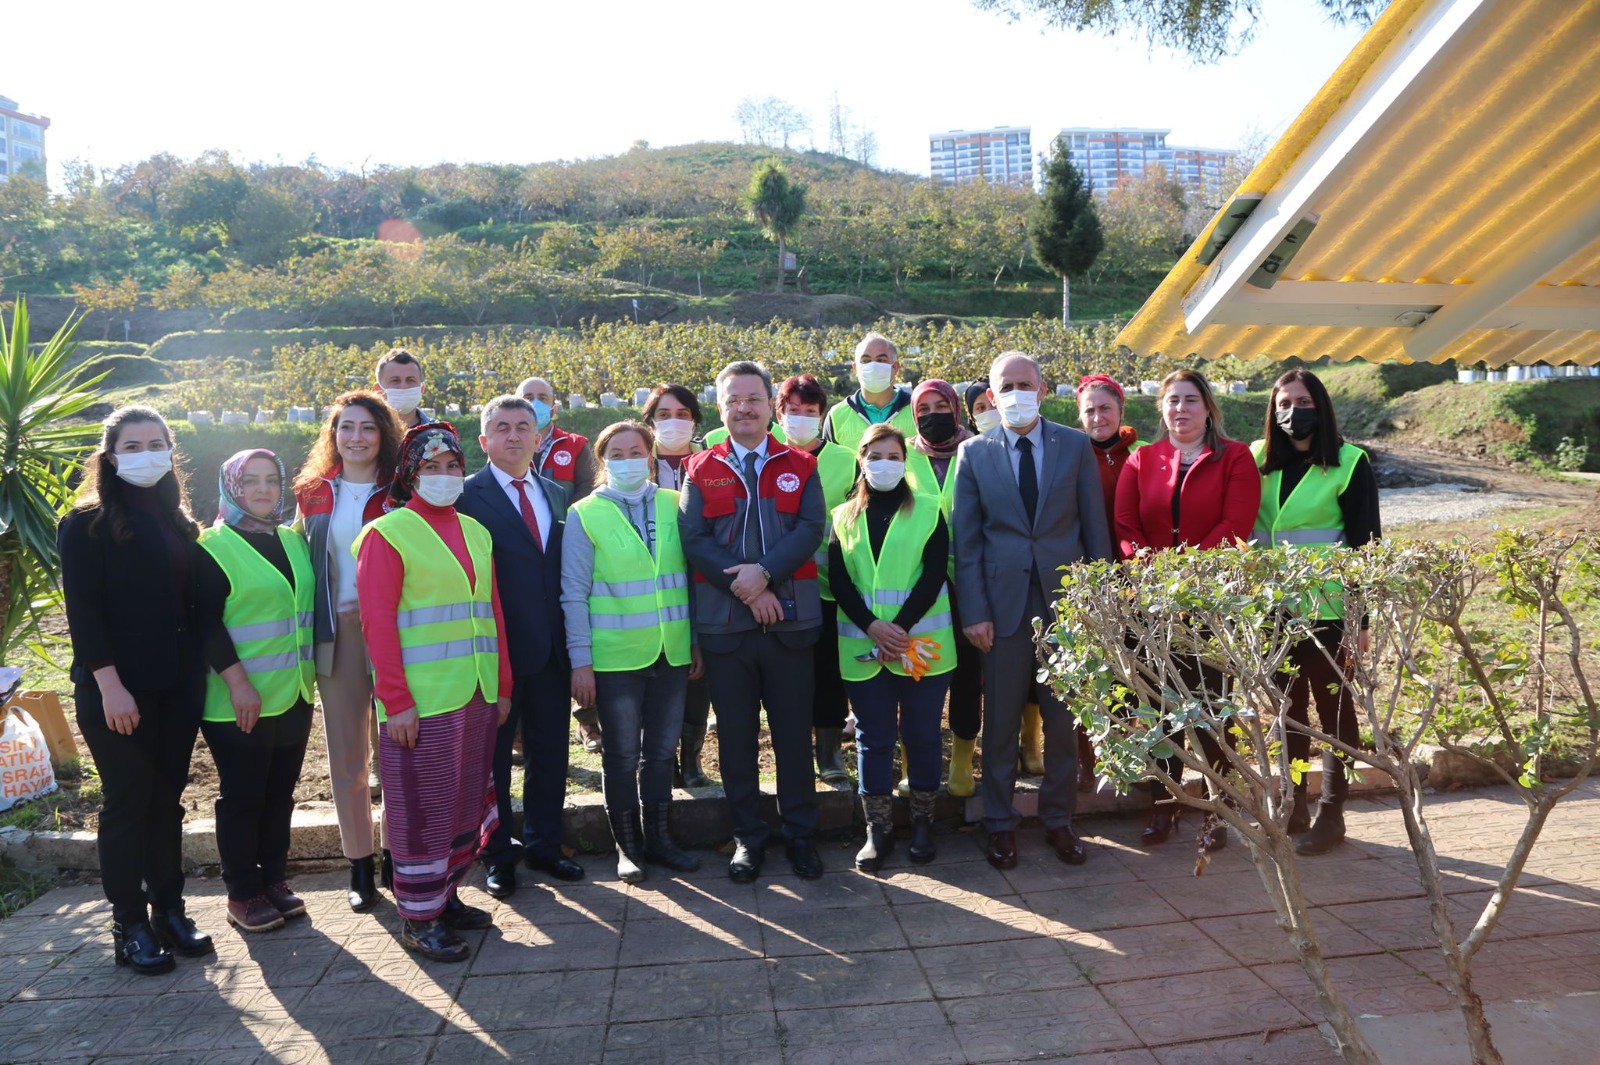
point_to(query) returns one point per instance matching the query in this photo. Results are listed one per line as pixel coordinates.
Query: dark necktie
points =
(529, 518)
(1027, 478)
(752, 521)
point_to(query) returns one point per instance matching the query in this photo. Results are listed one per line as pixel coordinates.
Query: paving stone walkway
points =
(1128, 959)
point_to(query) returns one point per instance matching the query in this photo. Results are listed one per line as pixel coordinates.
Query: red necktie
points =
(529, 518)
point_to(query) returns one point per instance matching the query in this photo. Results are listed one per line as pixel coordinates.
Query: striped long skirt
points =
(438, 804)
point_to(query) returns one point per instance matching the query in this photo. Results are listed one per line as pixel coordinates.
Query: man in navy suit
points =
(525, 514)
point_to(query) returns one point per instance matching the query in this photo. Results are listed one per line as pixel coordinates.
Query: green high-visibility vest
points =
(849, 427)
(1310, 517)
(836, 468)
(885, 583)
(638, 604)
(449, 645)
(268, 620)
(921, 478)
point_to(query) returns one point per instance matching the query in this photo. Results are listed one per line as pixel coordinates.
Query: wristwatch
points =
(766, 574)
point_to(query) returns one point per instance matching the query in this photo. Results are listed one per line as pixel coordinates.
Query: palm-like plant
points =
(40, 450)
(775, 203)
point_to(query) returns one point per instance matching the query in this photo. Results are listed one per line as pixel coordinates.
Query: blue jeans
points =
(889, 704)
(641, 716)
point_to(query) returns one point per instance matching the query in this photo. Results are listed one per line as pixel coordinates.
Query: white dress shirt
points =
(1036, 434)
(541, 505)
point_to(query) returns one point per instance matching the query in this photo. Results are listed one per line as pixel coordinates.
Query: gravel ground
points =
(1443, 502)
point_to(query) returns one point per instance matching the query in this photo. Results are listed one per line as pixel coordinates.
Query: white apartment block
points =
(1107, 156)
(1003, 155)
(21, 141)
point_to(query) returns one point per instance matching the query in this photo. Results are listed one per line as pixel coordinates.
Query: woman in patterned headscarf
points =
(442, 679)
(255, 590)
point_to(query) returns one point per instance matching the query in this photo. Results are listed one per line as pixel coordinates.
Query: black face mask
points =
(936, 428)
(1298, 422)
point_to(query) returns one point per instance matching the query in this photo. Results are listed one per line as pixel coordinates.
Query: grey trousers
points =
(1008, 683)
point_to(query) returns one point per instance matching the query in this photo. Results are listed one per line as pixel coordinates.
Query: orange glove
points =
(920, 656)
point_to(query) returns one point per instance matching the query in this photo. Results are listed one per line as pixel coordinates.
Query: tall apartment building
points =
(1000, 155)
(21, 141)
(1106, 156)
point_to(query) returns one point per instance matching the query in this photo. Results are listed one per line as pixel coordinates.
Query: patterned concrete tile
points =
(1141, 952)
(1372, 984)
(1000, 968)
(525, 949)
(849, 930)
(919, 1034)
(873, 978)
(1179, 1009)
(946, 882)
(937, 924)
(1090, 909)
(730, 937)
(689, 989)
(777, 898)
(1301, 1046)
(1256, 939)
(729, 1038)
(1215, 894)
(1034, 1024)
(354, 1051)
(523, 1045)
(691, 900)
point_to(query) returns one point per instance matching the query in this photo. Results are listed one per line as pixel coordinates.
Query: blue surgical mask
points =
(627, 475)
(542, 413)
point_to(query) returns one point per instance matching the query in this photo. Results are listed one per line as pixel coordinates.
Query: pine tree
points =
(1063, 227)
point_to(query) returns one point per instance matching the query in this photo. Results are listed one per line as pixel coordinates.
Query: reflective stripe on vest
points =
(638, 603)
(1310, 517)
(268, 619)
(449, 645)
(886, 583)
(836, 468)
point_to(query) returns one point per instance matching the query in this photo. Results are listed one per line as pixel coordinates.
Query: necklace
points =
(1188, 454)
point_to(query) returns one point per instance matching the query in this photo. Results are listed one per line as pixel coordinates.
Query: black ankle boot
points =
(135, 945)
(387, 871)
(178, 934)
(1300, 814)
(689, 772)
(363, 884)
(658, 845)
(922, 847)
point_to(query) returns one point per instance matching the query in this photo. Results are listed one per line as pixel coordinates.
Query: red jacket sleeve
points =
(1241, 497)
(380, 573)
(1129, 526)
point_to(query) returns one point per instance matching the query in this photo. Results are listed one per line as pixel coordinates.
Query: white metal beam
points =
(1383, 95)
(1568, 228)
(1385, 305)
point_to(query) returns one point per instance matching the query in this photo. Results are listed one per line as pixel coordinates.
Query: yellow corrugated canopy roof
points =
(1452, 164)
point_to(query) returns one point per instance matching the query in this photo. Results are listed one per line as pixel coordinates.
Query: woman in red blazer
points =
(1192, 490)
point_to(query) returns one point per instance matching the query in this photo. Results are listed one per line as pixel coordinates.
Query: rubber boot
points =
(1327, 832)
(1164, 816)
(1299, 815)
(1086, 760)
(658, 845)
(1031, 748)
(903, 789)
(879, 811)
(630, 853)
(690, 744)
(830, 767)
(922, 849)
(961, 784)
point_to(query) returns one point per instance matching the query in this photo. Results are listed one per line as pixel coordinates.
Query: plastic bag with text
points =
(25, 771)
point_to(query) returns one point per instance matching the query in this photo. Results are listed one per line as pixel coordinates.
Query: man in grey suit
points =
(1028, 500)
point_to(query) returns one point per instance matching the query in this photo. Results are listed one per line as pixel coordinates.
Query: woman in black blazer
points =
(127, 570)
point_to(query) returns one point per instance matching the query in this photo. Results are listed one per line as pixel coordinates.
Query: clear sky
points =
(504, 81)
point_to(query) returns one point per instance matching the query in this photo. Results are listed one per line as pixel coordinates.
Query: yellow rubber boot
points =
(960, 784)
(1031, 748)
(903, 789)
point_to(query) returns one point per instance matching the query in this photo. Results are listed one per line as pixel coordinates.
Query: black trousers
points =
(748, 671)
(966, 689)
(540, 707)
(1198, 678)
(258, 771)
(696, 705)
(1320, 681)
(829, 705)
(142, 777)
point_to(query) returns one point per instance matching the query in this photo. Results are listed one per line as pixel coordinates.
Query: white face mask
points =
(674, 433)
(627, 475)
(403, 400)
(986, 419)
(440, 489)
(1018, 407)
(143, 468)
(800, 429)
(883, 474)
(875, 376)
